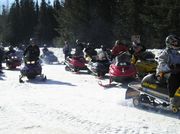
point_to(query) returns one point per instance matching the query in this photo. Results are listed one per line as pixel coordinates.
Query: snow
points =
(69, 103)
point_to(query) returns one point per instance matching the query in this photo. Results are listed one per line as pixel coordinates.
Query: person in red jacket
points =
(118, 48)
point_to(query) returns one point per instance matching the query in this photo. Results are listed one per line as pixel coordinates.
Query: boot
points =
(1, 72)
(171, 100)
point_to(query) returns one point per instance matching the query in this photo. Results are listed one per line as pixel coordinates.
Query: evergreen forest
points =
(99, 22)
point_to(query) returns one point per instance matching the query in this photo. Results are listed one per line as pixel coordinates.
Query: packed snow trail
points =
(69, 103)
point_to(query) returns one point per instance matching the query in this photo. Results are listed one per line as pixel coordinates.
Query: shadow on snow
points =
(50, 82)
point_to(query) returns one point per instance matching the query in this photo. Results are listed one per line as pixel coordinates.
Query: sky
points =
(70, 103)
(11, 1)
(5, 2)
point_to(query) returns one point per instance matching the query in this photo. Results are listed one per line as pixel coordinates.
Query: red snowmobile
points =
(121, 69)
(75, 63)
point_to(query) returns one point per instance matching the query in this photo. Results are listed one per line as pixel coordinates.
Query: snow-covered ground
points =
(69, 103)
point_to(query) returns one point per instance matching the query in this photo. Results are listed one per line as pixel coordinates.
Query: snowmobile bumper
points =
(131, 93)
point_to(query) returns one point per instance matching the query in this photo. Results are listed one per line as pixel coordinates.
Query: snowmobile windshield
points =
(123, 58)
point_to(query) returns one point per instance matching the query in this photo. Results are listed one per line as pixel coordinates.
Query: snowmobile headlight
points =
(32, 62)
(123, 64)
(28, 62)
(14, 57)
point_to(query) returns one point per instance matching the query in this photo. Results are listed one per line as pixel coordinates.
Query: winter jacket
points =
(90, 52)
(10, 52)
(168, 59)
(1, 55)
(103, 56)
(79, 50)
(32, 53)
(66, 49)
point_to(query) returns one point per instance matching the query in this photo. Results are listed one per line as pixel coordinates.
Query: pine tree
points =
(14, 24)
(28, 19)
(46, 24)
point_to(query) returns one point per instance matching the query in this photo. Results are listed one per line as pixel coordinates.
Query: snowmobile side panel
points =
(137, 86)
(177, 97)
(177, 94)
(131, 93)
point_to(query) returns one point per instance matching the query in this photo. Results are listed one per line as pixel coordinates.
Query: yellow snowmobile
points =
(151, 92)
(144, 63)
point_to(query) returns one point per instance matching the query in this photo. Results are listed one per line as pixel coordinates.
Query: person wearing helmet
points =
(103, 54)
(32, 52)
(118, 48)
(169, 64)
(79, 47)
(45, 49)
(90, 52)
(137, 50)
(11, 50)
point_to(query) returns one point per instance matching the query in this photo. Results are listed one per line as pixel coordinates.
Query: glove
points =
(161, 75)
(161, 78)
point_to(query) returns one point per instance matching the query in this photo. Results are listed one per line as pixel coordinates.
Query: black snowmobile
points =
(49, 58)
(12, 61)
(154, 93)
(99, 65)
(98, 68)
(31, 70)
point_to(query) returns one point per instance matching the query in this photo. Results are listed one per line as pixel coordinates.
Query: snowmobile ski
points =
(109, 85)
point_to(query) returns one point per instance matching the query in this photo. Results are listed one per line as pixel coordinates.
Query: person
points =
(32, 52)
(9, 53)
(79, 47)
(90, 52)
(66, 50)
(103, 54)
(137, 51)
(118, 48)
(45, 49)
(11, 50)
(1, 57)
(169, 64)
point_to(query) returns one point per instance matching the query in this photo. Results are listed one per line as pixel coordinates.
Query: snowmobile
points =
(98, 67)
(144, 64)
(31, 70)
(121, 69)
(49, 58)
(12, 61)
(152, 92)
(75, 63)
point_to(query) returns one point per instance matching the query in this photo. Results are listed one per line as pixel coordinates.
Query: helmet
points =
(172, 41)
(77, 41)
(11, 48)
(117, 42)
(103, 48)
(65, 42)
(32, 40)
